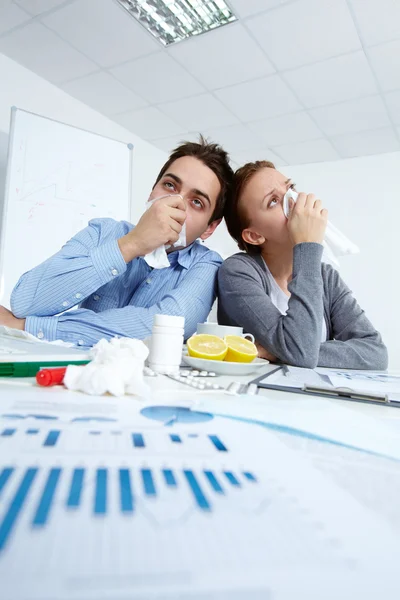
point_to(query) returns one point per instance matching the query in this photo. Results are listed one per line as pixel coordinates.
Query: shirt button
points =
(148, 280)
(96, 297)
(114, 272)
(81, 343)
(78, 295)
(65, 303)
(40, 335)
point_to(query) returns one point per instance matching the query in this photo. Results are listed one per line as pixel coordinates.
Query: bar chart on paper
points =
(36, 492)
(110, 440)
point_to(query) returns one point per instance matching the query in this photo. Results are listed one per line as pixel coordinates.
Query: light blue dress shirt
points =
(113, 298)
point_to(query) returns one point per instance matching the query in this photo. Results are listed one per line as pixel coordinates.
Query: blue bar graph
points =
(138, 440)
(199, 497)
(16, 506)
(175, 438)
(204, 486)
(126, 496)
(32, 431)
(232, 479)
(218, 444)
(100, 497)
(8, 432)
(148, 483)
(52, 437)
(216, 486)
(75, 491)
(4, 477)
(45, 503)
(169, 478)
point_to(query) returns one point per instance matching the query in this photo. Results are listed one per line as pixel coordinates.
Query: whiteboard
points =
(58, 178)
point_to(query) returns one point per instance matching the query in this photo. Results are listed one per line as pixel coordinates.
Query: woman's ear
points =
(252, 237)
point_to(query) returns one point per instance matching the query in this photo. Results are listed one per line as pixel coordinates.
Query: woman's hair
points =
(235, 213)
(215, 158)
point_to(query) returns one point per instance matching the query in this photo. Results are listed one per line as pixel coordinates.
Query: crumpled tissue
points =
(335, 243)
(158, 259)
(116, 368)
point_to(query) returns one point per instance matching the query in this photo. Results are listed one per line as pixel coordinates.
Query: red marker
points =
(48, 377)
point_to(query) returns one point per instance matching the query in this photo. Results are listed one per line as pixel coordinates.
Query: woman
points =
(299, 310)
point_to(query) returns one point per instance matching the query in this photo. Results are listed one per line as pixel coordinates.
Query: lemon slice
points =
(204, 345)
(239, 349)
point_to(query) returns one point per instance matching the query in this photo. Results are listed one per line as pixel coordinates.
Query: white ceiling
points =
(292, 81)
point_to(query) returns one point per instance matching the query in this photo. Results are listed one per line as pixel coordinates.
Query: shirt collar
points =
(183, 257)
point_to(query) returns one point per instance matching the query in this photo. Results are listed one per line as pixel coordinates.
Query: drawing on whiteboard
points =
(77, 183)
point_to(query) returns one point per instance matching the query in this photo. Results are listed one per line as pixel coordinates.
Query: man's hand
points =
(160, 224)
(263, 353)
(307, 220)
(8, 319)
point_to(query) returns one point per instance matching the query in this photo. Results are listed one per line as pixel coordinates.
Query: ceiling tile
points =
(307, 152)
(11, 16)
(104, 93)
(236, 138)
(43, 52)
(223, 57)
(168, 144)
(367, 142)
(148, 123)
(245, 8)
(102, 30)
(385, 61)
(241, 158)
(393, 104)
(353, 116)
(37, 7)
(304, 32)
(296, 127)
(379, 21)
(158, 78)
(334, 80)
(253, 100)
(199, 112)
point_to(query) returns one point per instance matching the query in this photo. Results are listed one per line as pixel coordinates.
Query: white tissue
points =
(116, 368)
(335, 243)
(158, 259)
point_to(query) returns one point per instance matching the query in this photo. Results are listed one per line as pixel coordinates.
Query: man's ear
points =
(210, 229)
(252, 237)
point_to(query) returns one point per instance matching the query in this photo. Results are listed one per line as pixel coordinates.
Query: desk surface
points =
(278, 510)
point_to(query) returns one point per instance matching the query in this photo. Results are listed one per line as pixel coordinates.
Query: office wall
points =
(22, 88)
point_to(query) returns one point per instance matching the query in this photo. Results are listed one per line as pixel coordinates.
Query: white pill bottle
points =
(166, 344)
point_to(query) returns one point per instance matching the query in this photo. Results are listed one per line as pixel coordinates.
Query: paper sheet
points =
(116, 498)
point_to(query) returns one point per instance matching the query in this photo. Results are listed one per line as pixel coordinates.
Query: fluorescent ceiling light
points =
(172, 21)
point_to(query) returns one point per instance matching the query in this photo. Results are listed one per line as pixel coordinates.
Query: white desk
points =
(307, 529)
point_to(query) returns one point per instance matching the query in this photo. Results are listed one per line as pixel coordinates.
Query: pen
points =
(344, 392)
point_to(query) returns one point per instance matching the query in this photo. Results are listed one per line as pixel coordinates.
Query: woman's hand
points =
(263, 353)
(307, 220)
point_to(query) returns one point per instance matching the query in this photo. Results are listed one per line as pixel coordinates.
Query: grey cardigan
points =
(317, 292)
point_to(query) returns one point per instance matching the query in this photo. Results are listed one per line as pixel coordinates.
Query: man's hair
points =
(235, 213)
(216, 159)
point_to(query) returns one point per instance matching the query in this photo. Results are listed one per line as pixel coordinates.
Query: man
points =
(103, 270)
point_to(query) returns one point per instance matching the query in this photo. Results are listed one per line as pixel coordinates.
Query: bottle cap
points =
(48, 377)
(168, 321)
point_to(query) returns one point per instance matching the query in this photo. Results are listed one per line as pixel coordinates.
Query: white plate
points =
(222, 367)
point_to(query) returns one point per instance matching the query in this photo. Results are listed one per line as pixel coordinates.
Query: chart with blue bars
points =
(110, 439)
(30, 494)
